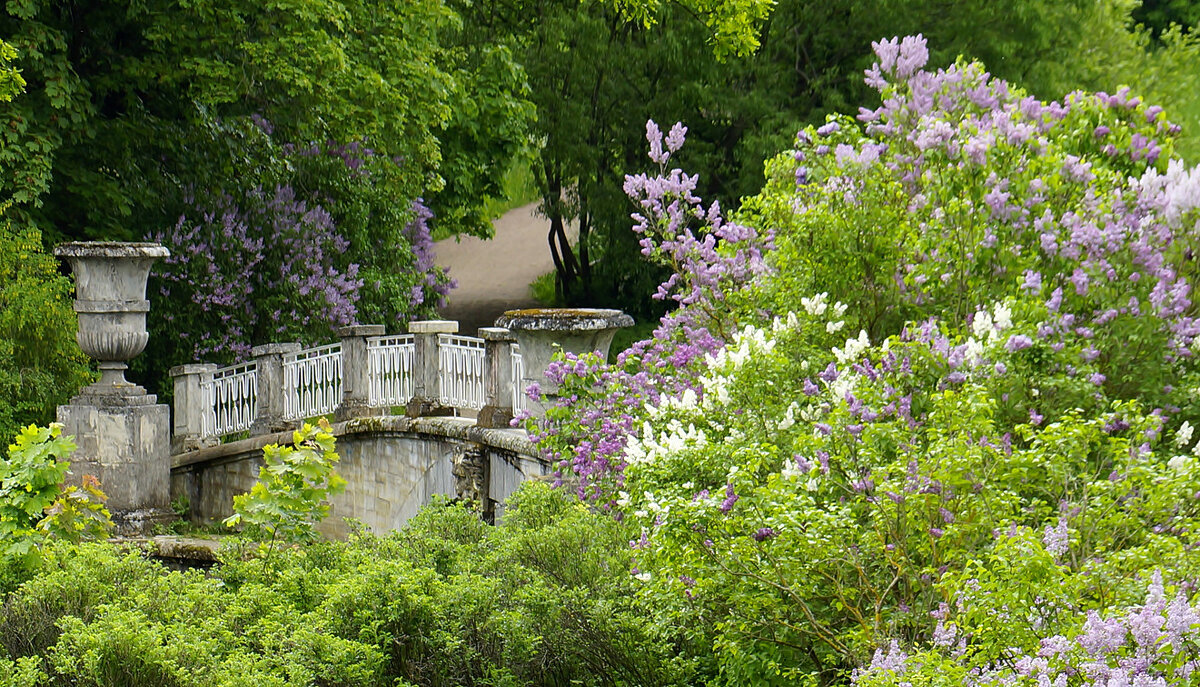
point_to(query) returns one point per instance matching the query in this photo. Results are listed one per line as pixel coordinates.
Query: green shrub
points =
(34, 504)
(41, 366)
(288, 500)
(543, 599)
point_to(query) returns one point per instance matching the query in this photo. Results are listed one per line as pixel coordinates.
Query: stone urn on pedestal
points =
(122, 432)
(541, 332)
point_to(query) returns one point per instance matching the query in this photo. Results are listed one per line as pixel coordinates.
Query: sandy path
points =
(494, 275)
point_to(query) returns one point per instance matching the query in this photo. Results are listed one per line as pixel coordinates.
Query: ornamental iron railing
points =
(312, 382)
(230, 395)
(461, 371)
(390, 359)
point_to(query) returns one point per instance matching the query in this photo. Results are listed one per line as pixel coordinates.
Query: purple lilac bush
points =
(929, 400)
(712, 261)
(249, 274)
(322, 250)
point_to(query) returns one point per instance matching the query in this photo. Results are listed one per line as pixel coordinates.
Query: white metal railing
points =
(230, 400)
(390, 359)
(461, 371)
(519, 399)
(312, 382)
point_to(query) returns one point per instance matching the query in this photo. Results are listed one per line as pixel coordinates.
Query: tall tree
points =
(596, 78)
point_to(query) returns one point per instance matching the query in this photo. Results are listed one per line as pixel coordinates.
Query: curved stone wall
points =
(392, 465)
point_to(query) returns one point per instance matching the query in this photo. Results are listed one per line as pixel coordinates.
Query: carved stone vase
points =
(122, 433)
(110, 298)
(541, 332)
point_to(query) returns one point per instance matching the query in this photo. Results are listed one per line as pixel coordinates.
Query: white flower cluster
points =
(1183, 438)
(654, 445)
(724, 364)
(853, 349)
(818, 305)
(989, 325)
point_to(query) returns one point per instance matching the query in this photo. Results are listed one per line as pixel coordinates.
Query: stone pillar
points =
(541, 332)
(356, 372)
(122, 432)
(498, 381)
(269, 391)
(426, 400)
(190, 406)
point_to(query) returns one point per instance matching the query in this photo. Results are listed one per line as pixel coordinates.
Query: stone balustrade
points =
(430, 372)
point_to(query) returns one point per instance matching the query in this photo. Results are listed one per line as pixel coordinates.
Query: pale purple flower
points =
(1018, 342)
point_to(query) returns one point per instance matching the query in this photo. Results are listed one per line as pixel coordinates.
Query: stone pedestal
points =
(123, 434)
(269, 402)
(125, 443)
(427, 397)
(356, 372)
(497, 411)
(190, 406)
(541, 332)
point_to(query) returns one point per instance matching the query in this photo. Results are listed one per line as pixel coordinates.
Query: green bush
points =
(41, 366)
(542, 599)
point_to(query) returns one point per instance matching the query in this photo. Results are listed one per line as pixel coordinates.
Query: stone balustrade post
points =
(269, 392)
(189, 407)
(356, 372)
(426, 400)
(497, 411)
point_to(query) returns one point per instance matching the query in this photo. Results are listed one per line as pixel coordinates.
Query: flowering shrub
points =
(248, 275)
(944, 406)
(713, 261)
(960, 191)
(292, 262)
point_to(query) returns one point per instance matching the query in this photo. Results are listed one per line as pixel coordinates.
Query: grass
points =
(542, 289)
(519, 188)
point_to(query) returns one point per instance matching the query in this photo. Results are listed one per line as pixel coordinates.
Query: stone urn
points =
(110, 298)
(541, 332)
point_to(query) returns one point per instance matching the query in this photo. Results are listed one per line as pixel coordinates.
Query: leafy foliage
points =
(11, 82)
(35, 506)
(289, 498)
(998, 460)
(446, 601)
(41, 366)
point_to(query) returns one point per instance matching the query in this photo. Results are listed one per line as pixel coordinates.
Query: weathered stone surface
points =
(128, 449)
(189, 406)
(356, 369)
(541, 332)
(393, 465)
(497, 409)
(268, 406)
(426, 400)
(121, 432)
(563, 319)
(110, 298)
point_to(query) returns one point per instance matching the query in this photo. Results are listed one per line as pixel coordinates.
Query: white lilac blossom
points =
(1183, 435)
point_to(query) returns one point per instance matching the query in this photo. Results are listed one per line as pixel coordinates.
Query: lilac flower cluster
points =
(1153, 645)
(245, 274)
(1010, 202)
(586, 433)
(431, 279)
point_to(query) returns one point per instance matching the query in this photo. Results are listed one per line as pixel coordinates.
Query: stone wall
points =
(392, 465)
